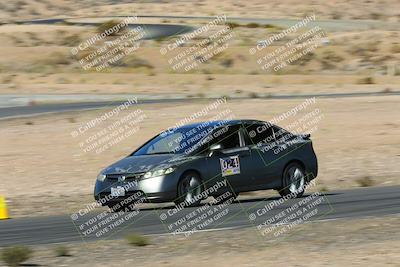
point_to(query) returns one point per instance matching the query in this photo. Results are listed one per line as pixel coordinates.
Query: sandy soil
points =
(44, 169)
(355, 242)
(37, 60)
(193, 85)
(40, 62)
(338, 9)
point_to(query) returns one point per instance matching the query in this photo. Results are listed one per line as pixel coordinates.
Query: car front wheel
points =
(293, 180)
(189, 190)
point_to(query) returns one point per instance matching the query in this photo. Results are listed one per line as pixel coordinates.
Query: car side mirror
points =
(214, 148)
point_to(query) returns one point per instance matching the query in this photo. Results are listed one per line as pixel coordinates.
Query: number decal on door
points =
(230, 165)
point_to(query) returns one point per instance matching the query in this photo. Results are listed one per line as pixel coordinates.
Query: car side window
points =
(229, 138)
(259, 133)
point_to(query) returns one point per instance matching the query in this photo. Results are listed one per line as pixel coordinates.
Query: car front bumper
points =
(157, 189)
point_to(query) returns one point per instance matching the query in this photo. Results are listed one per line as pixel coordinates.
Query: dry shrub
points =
(365, 181)
(14, 256)
(366, 80)
(137, 240)
(56, 58)
(395, 49)
(136, 62)
(331, 56)
(108, 25)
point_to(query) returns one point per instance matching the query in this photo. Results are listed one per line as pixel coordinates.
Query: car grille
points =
(128, 176)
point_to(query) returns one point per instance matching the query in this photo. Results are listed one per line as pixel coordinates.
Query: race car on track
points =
(184, 162)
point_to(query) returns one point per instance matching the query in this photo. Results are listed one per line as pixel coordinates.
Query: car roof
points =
(220, 122)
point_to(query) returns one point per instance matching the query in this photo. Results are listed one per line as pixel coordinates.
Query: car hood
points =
(144, 163)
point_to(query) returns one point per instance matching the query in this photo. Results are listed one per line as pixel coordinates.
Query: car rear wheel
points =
(189, 190)
(293, 180)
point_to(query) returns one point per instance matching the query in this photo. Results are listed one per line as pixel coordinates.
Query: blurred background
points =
(46, 93)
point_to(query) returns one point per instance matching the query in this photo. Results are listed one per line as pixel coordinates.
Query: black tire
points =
(293, 180)
(189, 186)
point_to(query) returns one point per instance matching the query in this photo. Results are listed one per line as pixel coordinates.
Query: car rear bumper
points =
(311, 168)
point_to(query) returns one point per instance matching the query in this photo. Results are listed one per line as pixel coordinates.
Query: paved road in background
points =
(355, 203)
(151, 31)
(329, 25)
(32, 110)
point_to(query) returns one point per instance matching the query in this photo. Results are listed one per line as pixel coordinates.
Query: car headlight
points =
(151, 174)
(101, 177)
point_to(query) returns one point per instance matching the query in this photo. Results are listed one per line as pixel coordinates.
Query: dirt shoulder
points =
(355, 242)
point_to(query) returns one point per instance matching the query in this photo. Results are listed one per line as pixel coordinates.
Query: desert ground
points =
(372, 241)
(37, 60)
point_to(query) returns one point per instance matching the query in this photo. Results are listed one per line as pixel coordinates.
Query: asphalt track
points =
(330, 25)
(151, 31)
(362, 202)
(27, 111)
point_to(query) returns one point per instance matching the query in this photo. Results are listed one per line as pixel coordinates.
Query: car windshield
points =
(179, 141)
